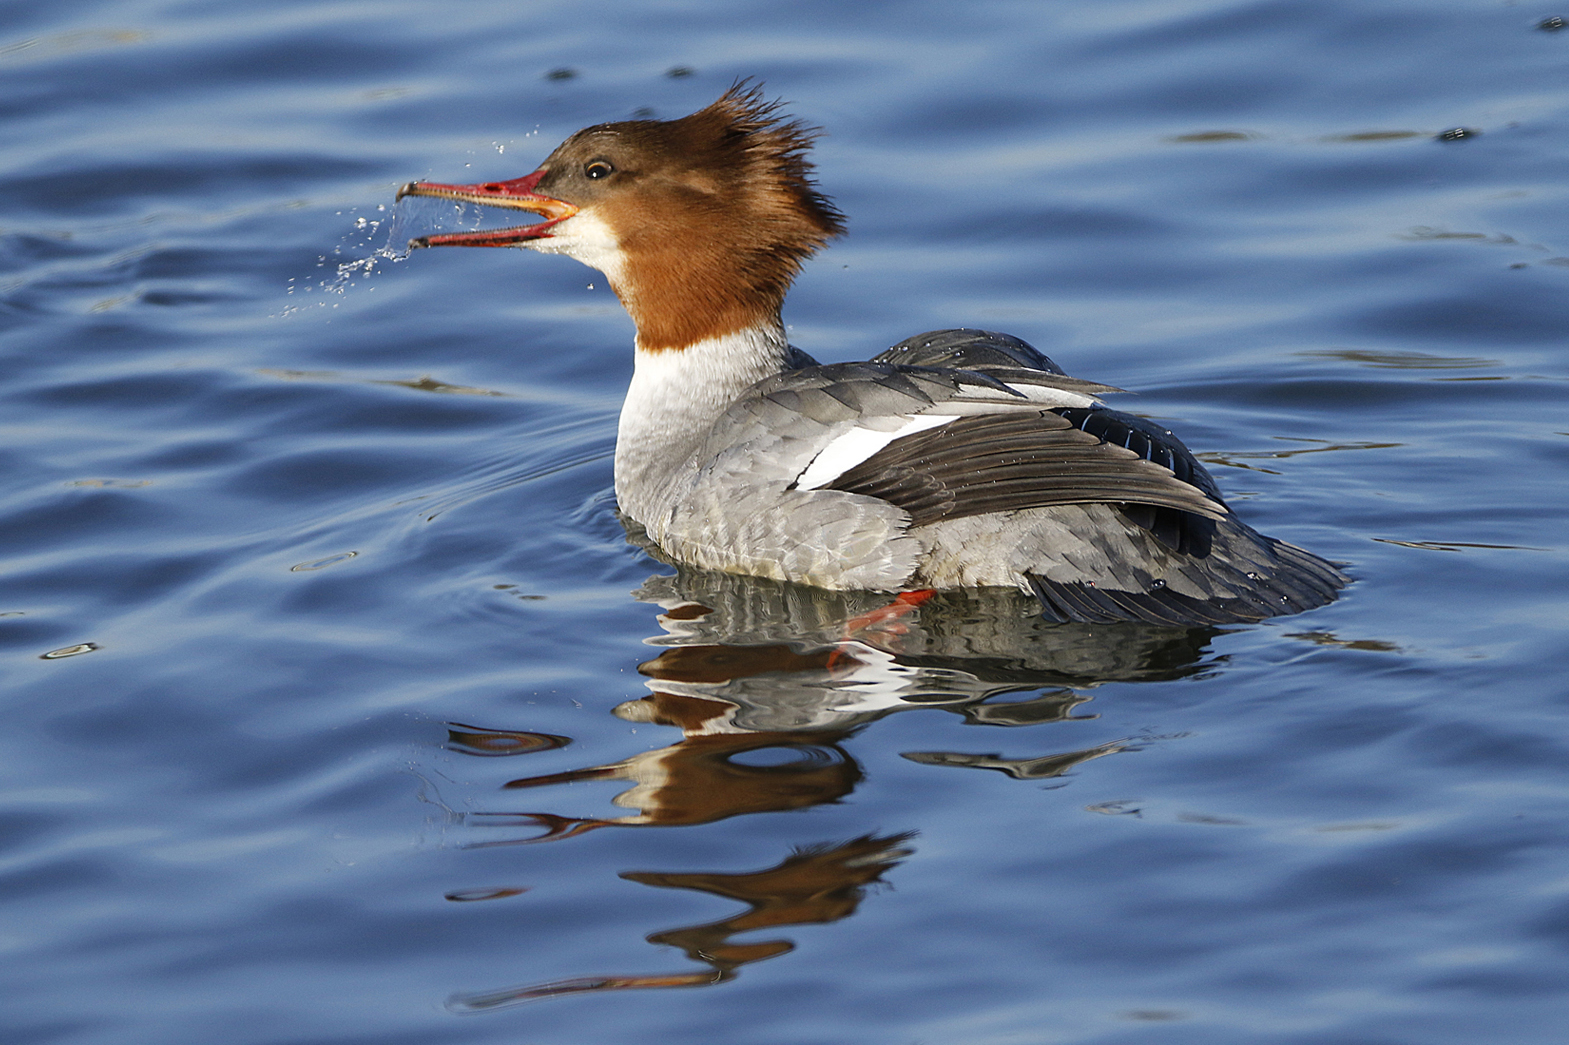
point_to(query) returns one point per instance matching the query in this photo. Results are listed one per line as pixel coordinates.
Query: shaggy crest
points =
(770, 151)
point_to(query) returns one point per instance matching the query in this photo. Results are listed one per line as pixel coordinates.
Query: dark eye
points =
(599, 169)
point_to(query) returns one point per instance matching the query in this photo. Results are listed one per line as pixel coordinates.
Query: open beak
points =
(518, 194)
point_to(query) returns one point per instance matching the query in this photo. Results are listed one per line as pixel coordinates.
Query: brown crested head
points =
(713, 213)
(701, 222)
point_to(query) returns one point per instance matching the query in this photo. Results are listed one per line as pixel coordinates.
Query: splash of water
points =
(429, 214)
(390, 227)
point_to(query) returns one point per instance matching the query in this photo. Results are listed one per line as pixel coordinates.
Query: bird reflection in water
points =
(704, 777)
(810, 887)
(766, 682)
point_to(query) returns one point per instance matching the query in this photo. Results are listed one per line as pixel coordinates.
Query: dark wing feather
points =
(1036, 459)
(1087, 604)
(967, 349)
(1145, 438)
(1297, 580)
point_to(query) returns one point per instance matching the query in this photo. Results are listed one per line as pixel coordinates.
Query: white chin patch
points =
(586, 238)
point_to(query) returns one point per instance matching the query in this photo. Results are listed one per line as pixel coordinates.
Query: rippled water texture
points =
(340, 710)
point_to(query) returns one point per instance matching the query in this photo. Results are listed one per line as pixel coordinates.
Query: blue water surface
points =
(309, 548)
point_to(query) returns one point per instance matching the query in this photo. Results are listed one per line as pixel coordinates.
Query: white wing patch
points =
(1028, 395)
(858, 444)
(1053, 397)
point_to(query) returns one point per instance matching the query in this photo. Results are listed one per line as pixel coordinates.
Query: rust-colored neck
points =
(681, 301)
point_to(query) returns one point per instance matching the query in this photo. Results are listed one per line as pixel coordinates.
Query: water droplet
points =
(69, 651)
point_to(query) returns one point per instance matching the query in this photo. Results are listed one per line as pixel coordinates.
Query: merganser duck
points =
(955, 458)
